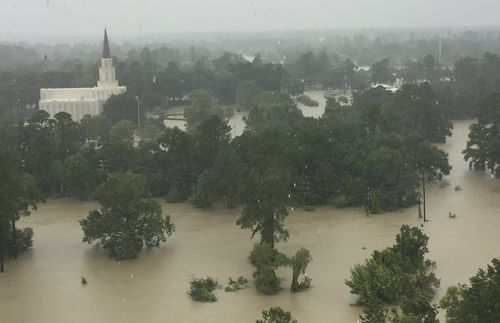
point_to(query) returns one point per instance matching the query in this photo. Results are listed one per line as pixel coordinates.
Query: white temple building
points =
(82, 101)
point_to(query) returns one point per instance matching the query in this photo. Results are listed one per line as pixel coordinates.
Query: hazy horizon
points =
(28, 20)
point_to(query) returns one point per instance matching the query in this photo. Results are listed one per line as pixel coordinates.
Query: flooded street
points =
(43, 285)
(314, 112)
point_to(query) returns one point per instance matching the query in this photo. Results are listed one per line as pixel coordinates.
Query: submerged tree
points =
(396, 273)
(276, 315)
(266, 212)
(202, 289)
(128, 220)
(19, 194)
(419, 310)
(299, 263)
(483, 147)
(7, 172)
(477, 303)
(27, 197)
(266, 260)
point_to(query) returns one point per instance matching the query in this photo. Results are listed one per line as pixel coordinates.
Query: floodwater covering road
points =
(43, 285)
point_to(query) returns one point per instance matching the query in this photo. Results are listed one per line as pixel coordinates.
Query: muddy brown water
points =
(44, 286)
(314, 112)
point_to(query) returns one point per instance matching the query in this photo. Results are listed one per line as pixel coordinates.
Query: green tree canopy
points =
(276, 315)
(128, 220)
(202, 108)
(122, 107)
(266, 212)
(246, 95)
(266, 260)
(123, 131)
(483, 146)
(299, 263)
(398, 273)
(381, 72)
(19, 194)
(69, 136)
(477, 302)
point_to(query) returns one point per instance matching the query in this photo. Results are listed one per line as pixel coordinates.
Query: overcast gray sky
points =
(126, 16)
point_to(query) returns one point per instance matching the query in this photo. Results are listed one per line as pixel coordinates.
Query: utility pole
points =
(2, 252)
(307, 187)
(367, 205)
(14, 237)
(440, 53)
(419, 207)
(138, 112)
(423, 191)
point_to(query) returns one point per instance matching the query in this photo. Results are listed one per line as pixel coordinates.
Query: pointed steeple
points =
(105, 49)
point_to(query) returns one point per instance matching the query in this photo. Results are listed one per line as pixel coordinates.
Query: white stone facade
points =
(84, 101)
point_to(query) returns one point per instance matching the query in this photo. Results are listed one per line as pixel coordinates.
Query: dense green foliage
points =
(339, 158)
(396, 273)
(374, 153)
(236, 285)
(128, 220)
(418, 310)
(202, 107)
(247, 94)
(352, 156)
(474, 79)
(201, 289)
(19, 194)
(164, 76)
(307, 101)
(381, 73)
(412, 109)
(266, 260)
(122, 107)
(7, 169)
(266, 211)
(483, 147)
(276, 315)
(299, 263)
(477, 302)
(23, 241)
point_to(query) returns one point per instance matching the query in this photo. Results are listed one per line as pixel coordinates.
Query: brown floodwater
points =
(314, 112)
(43, 285)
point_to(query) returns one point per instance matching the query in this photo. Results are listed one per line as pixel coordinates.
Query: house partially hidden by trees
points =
(84, 101)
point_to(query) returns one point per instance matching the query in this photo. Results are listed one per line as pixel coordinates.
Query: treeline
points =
(398, 284)
(364, 47)
(373, 153)
(155, 84)
(159, 83)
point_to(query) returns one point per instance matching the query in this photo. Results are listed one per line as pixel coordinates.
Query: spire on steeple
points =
(105, 49)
